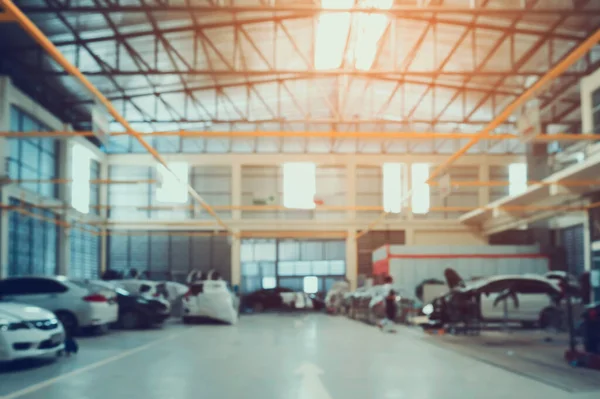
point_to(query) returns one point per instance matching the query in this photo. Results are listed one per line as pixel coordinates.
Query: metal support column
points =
(351, 259)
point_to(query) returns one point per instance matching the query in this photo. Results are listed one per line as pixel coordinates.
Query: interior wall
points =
(372, 241)
(263, 185)
(425, 237)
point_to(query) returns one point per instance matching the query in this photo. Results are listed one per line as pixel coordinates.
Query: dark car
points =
(268, 298)
(135, 311)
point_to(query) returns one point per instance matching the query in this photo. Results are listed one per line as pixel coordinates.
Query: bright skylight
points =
(299, 185)
(80, 172)
(170, 189)
(392, 187)
(517, 178)
(420, 189)
(365, 32)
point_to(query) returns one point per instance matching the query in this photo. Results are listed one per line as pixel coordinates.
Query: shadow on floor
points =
(21, 365)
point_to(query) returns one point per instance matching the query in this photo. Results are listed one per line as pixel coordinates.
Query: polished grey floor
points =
(271, 357)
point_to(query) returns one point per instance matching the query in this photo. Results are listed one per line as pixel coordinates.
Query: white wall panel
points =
(461, 249)
(369, 189)
(213, 183)
(423, 237)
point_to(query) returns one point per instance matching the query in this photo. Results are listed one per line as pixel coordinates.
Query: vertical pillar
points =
(4, 217)
(64, 194)
(409, 236)
(408, 190)
(351, 191)
(104, 213)
(236, 265)
(484, 191)
(236, 191)
(587, 242)
(351, 258)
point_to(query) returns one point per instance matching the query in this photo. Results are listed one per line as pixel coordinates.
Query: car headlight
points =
(428, 309)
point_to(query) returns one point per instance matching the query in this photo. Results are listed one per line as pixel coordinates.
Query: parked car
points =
(210, 299)
(530, 300)
(75, 306)
(334, 299)
(148, 289)
(274, 298)
(28, 331)
(135, 311)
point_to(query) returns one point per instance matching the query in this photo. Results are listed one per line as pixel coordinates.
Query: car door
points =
(34, 291)
(534, 296)
(490, 310)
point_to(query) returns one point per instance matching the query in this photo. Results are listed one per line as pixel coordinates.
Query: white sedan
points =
(28, 331)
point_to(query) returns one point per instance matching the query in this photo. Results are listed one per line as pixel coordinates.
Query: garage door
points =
(33, 242)
(572, 240)
(85, 252)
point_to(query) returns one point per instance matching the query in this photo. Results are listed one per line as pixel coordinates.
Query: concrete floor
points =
(271, 357)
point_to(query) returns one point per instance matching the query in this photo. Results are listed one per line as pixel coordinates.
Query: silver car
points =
(76, 306)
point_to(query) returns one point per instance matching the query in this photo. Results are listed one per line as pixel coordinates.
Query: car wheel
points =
(129, 320)
(68, 320)
(258, 307)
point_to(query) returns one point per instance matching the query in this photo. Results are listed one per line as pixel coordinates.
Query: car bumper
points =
(98, 315)
(28, 344)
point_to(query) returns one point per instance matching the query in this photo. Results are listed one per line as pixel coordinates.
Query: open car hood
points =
(453, 279)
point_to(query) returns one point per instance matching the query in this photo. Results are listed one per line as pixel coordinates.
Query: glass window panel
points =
(267, 268)
(286, 268)
(250, 269)
(320, 267)
(311, 284)
(392, 187)
(517, 178)
(420, 189)
(269, 282)
(303, 268)
(299, 185)
(337, 267)
(265, 250)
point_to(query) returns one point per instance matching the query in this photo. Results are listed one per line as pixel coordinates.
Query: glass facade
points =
(33, 241)
(168, 255)
(85, 251)
(596, 110)
(32, 159)
(289, 262)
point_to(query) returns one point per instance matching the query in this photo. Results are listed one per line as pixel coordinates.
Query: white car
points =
(529, 300)
(210, 299)
(75, 306)
(28, 331)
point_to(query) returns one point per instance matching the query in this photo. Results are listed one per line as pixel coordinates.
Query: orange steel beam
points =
(47, 45)
(556, 71)
(367, 135)
(6, 17)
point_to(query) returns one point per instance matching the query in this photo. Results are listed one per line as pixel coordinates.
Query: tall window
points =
(596, 111)
(355, 35)
(392, 187)
(173, 189)
(299, 185)
(80, 172)
(420, 200)
(517, 178)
